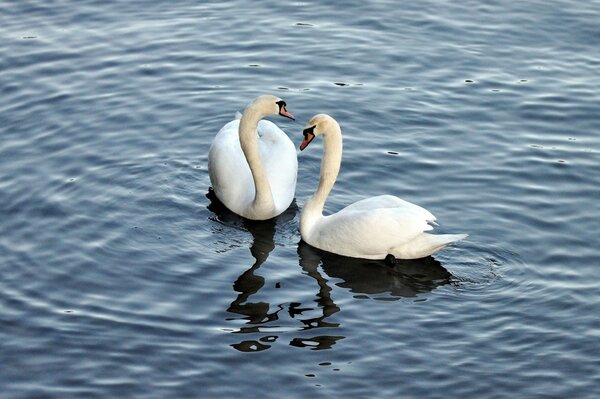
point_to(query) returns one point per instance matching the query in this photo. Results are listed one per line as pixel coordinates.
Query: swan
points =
(382, 227)
(252, 163)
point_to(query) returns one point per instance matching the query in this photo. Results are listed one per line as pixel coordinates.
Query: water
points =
(121, 278)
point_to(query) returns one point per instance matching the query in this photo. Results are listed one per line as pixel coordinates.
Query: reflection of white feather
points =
(371, 228)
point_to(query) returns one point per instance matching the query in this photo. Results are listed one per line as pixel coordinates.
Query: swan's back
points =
(378, 226)
(390, 201)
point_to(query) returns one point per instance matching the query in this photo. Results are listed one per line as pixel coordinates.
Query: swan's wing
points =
(280, 161)
(268, 130)
(228, 169)
(389, 201)
(368, 233)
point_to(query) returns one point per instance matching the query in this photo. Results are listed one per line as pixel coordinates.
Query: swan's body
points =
(252, 163)
(372, 228)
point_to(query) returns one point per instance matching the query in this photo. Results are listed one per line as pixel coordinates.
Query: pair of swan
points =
(253, 167)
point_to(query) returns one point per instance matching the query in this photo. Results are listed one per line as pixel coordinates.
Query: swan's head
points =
(272, 105)
(319, 124)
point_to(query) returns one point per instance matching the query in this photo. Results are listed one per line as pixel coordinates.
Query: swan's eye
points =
(309, 130)
(281, 104)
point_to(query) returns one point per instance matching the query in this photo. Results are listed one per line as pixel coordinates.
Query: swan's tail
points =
(448, 238)
(426, 244)
(440, 241)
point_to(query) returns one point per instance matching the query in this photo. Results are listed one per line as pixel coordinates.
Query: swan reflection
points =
(256, 315)
(364, 278)
(370, 278)
(260, 316)
(248, 283)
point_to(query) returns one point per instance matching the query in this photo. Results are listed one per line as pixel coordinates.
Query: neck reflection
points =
(256, 315)
(248, 283)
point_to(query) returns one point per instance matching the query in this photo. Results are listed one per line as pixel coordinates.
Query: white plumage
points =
(252, 163)
(372, 228)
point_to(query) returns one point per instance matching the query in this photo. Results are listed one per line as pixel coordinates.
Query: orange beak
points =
(284, 112)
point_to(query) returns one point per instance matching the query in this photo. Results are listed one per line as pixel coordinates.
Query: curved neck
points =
(330, 167)
(263, 197)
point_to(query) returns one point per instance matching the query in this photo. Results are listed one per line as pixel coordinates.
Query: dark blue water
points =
(119, 277)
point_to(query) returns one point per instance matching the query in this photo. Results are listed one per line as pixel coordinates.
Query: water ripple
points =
(122, 278)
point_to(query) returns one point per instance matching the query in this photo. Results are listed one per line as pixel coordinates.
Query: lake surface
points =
(121, 277)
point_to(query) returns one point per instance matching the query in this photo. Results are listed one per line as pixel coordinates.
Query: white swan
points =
(252, 163)
(383, 227)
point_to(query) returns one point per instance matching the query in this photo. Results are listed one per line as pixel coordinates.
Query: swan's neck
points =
(330, 167)
(263, 197)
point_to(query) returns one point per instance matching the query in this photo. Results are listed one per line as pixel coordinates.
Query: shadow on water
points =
(371, 278)
(365, 278)
(255, 314)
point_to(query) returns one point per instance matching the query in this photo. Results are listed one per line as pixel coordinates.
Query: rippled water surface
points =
(122, 277)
